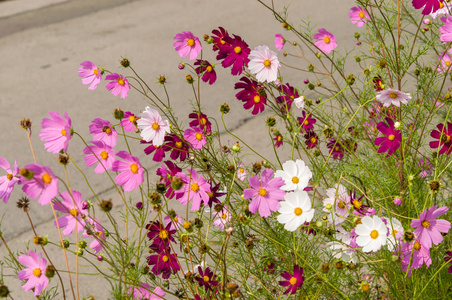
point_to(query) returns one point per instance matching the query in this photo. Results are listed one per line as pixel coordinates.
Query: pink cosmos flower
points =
(75, 214)
(131, 172)
(195, 189)
(446, 30)
(326, 41)
(8, 181)
(428, 5)
(153, 127)
(420, 253)
(91, 74)
(395, 97)
(358, 16)
(186, 43)
(264, 64)
(444, 62)
(99, 153)
(444, 10)
(200, 120)
(195, 136)
(205, 67)
(390, 142)
(337, 204)
(40, 181)
(443, 136)
(175, 223)
(241, 171)
(129, 121)
(235, 53)
(265, 193)
(425, 167)
(34, 273)
(56, 132)
(97, 232)
(103, 131)
(118, 85)
(144, 292)
(222, 218)
(159, 151)
(279, 41)
(293, 282)
(428, 229)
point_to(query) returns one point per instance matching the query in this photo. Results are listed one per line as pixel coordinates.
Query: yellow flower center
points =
(107, 130)
(134, 168)
(194, 187)
(279, 138)
(223, 216)
(73, 212)
(210, 194)
(374, 234)
(198, 136)
(209, 69)
(63, 132)
(178, 144)
(257, 99)
(46, 178)
(295, 179)
(361, 14)
(190, 42)
(37, 272)
(293, 281)
(262, 192)
(393, 95)
(306, 122)
(356, 204)
(445, 138)
(241, 170)
(341, 204)
(104, 154)
(163, 234)
(313, 140)
(165, 258)
(222, 41)
(237, 50)
(282, 41)
(121, 81)
(391, 137)
(132, 119)
(447, 62)
(327, 39)
(155, 126)
(425, 224)
(176, 219)
(203, 121)
(441, 5)
(267, 63)
(95, 71)
(417, 246)
(394, 232)
(9, 176)
(206, 278)
(298, 211)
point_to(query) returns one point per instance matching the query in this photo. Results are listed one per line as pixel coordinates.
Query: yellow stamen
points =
(46, 178)
(9, 176)
(293, 281)
(341, 204)
(267, 63)
(95, 71)
(121, 81)
(104, 154)
(241, 170)
(262, 192)
(209, 69)
(206, 278)
(223, 216)
(155, 126)
(165, 258)
(327, 39)
(106, 129)
(37, 272)
(194, 187)
(163, 234)
(134, 168)
(178, 144)
(441, 5)
(203, 121)
(237, 50)
(63, 132)
(306, 122)
(425, 224)
(279, 138)
(257, 99)
(210, 194)
(374, 234)
(191, 42)
(295, 179)
(132, 119)
(447, 62)
(393, 95)
(394, 232)
(356, 204)
(391, 137)
(417, 246)
(198, 136)
(298, 211)
(361, 14)
(73, 212)
(313, 140)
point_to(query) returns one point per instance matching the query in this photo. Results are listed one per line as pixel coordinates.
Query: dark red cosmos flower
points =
(448, 259)
(209, 72)
(444, 136)
(167, 173)
(218, 39)
(279, 140)
(235, 54)
(336, 148)
(309, 229)
(378, 83)
(201, 121)
(252, 94)
(160, 234)
(292, 281)
(164, 263)
(179, 148)
(311, 139)
(205, 278)
(159, 154)
(390, 142)
(430, 6)
(289, 94)
(214, 194)
(307, 122)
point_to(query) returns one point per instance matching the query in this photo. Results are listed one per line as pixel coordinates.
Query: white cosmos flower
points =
(395, 233)
(391, 96)
(341, 248)
(372, 233)
(299, 102)
(264, 64)
(295, 210)
(153, 128)
(296, 175)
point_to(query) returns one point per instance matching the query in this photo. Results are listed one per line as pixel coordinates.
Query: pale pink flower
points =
(74, 212)
(131, 172)
(176, 222)
(40, 182)
(279, 41)
(8, 181)
(264, 64)
(56, 132)
(100, 153)
(153, 127)
(143, 292)
(91, 74)
(325, 41)
(444, 62)
(118, 85)
(446, 30)
(186, 43)
(103, 131)
(35, 272)
(337, 204)
(392, 96)
(221, 218)
(241, 172)
(358, 16)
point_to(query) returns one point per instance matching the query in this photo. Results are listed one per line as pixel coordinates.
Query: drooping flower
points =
(311, 139)
(337, 203)
(103, 131)
(252, 94)
(195, 136)
(391, 96)
(167, 172)
(296, 175)
(143, 292)
(8, 181)
(131, 172)
(206, 278)
(91, 74)
(205, 67)
(40, 181)
(390, 142)
(265, 193)
(264, 64)
(378, 83)
(279, 41)
(289, 94)
(34, 273)
(129, 123)
(395, 233)
(96, 231)
(100, 153)
(293, 282)
(118, 85)
(164, 263)
(306, 121)
(443, 136)
(420, 254)
(295, 210)
(326, 41)
(279, 140)
(75, 214)
(428, 228)
(56, 132)
(200, 120)
(153, 127)
(215, 196)
(235, 53)
(372, 233)
(358, 16)
(186, 43)
(428, 5)
(159, 154)
(241, 171)
(446, 30)
(218, 38)
(195, 189)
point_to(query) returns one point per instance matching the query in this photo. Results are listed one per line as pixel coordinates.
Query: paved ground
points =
(41, 47)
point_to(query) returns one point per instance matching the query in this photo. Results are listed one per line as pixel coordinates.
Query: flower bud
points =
(50, 271)
(426, 21)
(311, 86)
(118, 113)
(125, 63)
(306, 81)
(40, 240)
(162, 79)
(310, 68)
(224, 108)
(198, 223)
(181, 66)
(187, 226)
(176, 184)
(357, 59)
(63, 159)
(271, 121)
(26, 173)
(236, 147)
(100, 257)
(4, 292)
(397, 125)
(79, 252)
(357, 35)
(397, 201)
(82, 244)
(65, 244)
(25, 124)
(106, 205)
(189, 79)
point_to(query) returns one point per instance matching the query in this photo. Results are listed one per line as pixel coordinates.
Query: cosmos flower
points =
(296, 175)
(337, 203)
(252, 94)
(96, 231)
(235, 53)
(390, 142)
(241, 171)
(129, 121)
(164, 263)
(206, 278)
(195, 189)
(159, 154)
(306, 121)
(289, 94)
(264, 64)
(195, 136)
(118, 85)
(395, 97)
(143, 292)
(160, 235)
(34, 273)
(414, 255)
(293, 282)
(444, 62)
(186, 43)
(167, 172)
(222, 218)
(75, 214)
(295, 210)
(326, 41)
(428, 5)
(56, 132)
(200, 120)
(177, 146)
(218, 39)
(153, 127)
(100, 153)
(446, 30)
(311, 139)
(443, 136)
(8, 181)
(103, 131)
(39, 181)
(131, 173)
(358, 16)
(395, 233)
(205, 67)
(372, 233)
(279, 41)
(299, 102)
(91, 74)
(428, 228)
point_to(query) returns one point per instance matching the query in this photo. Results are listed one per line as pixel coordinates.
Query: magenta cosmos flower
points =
(131, 172)
(358, 16)
(153, 127)
(306, 121)
(444, 62)
(446, 30)
(391, 96)
(56, 132)
(206, 278)
(235, 54)
(279, 41)
(100, 153)
(75, 213)
(200, 120)
(186, 43)
(129, 123)
(34, 273)
(443, 135)
(293, 282)
(205, 67)
(167, 172)
(164, 263)
(143, 292)
(118, 85)
(288, 97)
(428, 229)
(419, 252)
(97, 232)
(8, 181)
(390, 142)
(218, 38)
(178, 147)
(252, 94)
(430, 6)
(195, 188)
(195, 136)
(160, 235)
(265, 193)
(264, 64)
(325, 41)
(39, 181)
(103, 131)
(91, 74)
